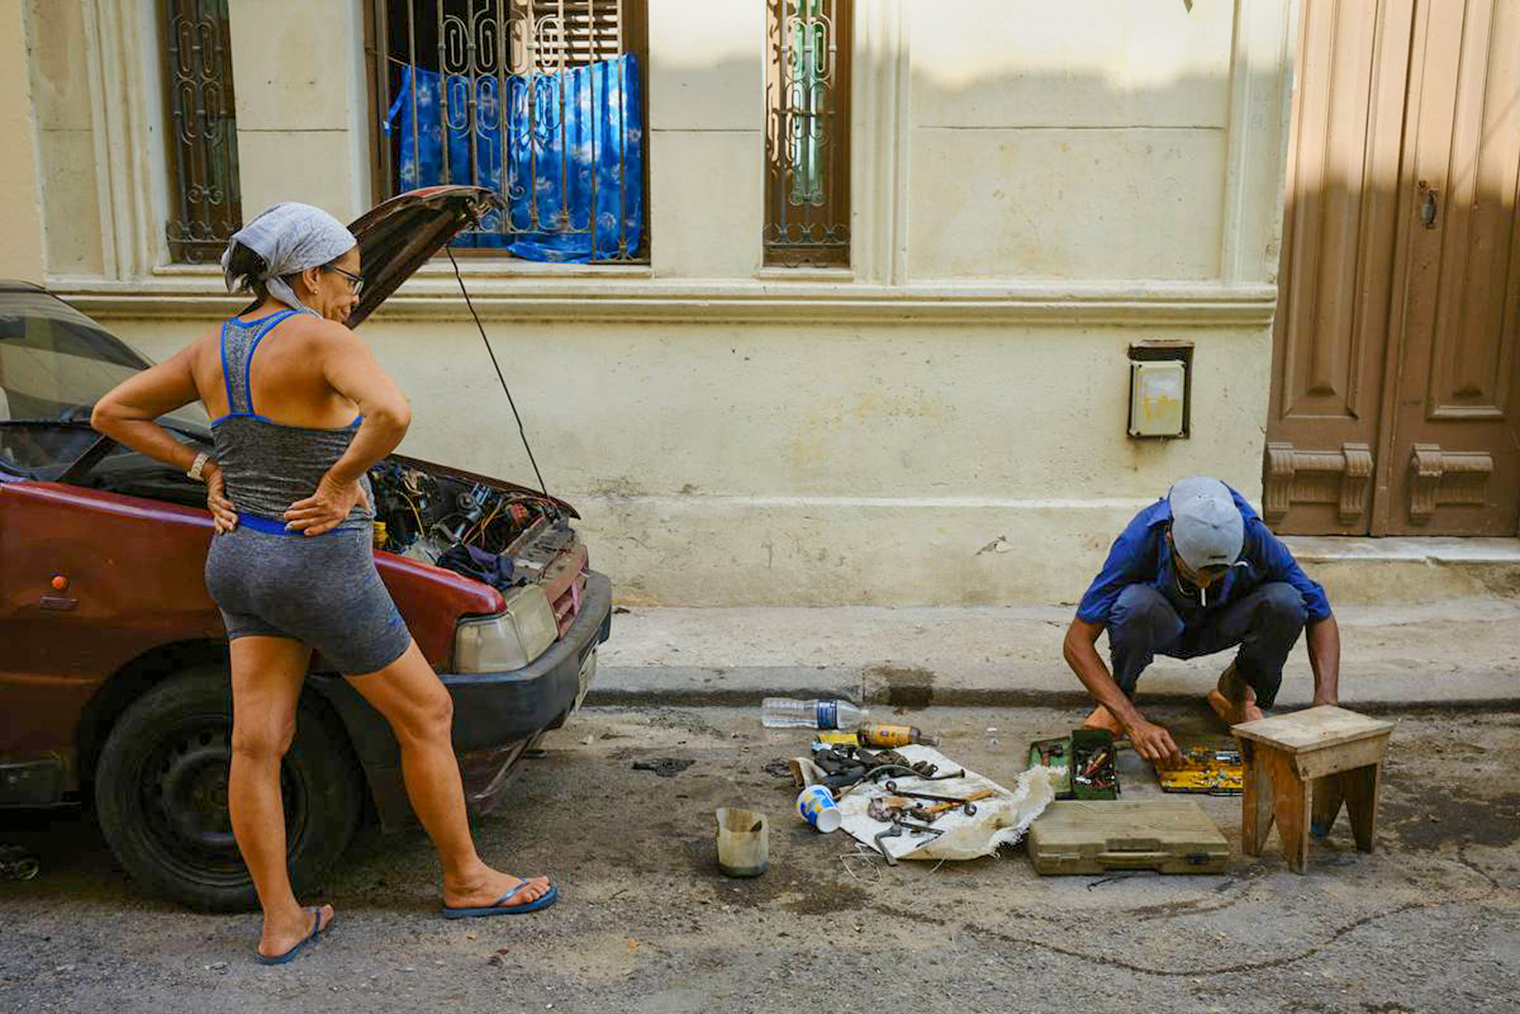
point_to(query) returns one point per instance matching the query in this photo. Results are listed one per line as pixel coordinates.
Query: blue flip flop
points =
(290, 955)
(548, 898)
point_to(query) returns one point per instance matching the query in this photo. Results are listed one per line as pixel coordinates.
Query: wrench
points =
(892, 832)
(964, 802)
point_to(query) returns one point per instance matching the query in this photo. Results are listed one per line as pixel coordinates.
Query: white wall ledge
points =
(622, 295)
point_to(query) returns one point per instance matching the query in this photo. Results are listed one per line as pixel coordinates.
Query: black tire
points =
(161, 793)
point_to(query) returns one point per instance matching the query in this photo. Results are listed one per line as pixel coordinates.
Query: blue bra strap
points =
(253, 346)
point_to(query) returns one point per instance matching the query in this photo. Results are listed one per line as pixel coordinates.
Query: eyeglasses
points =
(355, 282)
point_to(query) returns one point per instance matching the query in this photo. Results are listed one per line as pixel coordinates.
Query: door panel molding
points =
(1342, 477)
(1470, 363)
(1438, 478)
(1323, 350)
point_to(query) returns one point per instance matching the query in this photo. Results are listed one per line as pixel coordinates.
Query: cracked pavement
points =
(1429, 922)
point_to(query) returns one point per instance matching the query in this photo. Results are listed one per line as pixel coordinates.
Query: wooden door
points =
(1330, 341)
(1395, 390)
(1452, 465)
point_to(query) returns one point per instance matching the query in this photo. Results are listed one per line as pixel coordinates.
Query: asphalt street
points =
(1428, 922)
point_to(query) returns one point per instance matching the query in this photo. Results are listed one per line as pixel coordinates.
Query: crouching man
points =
(1193, 574)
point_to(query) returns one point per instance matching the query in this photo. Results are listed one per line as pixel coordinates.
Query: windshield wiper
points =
(96, 452)
(87, 461)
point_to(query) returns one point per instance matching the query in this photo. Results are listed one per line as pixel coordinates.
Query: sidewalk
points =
(1461, 653)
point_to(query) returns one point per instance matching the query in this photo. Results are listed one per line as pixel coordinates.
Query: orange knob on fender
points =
(60, 583)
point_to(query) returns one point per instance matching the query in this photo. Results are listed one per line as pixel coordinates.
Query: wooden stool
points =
(1338, 751)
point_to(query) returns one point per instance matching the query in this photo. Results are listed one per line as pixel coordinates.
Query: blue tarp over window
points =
(574, 150)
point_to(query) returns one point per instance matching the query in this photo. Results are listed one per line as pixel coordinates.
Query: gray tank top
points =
(267, 466)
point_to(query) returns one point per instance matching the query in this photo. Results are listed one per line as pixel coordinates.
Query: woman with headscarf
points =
(302, 411)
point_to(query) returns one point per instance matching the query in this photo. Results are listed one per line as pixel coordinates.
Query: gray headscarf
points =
(290, 237)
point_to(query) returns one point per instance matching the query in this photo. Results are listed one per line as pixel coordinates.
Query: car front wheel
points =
(161, 793)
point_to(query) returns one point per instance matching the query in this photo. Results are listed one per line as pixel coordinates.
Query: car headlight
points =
(509, 640)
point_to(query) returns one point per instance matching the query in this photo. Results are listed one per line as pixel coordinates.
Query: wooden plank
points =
(1290, 804)
(1362, 787)
(1329, 792)
(1312, 729)
(1329, 760)
(1256, 799)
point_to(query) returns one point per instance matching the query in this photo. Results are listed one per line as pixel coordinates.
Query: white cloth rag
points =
(1001, 819)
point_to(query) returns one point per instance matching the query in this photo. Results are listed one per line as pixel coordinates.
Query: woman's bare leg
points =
(267, 673)
(421, 713)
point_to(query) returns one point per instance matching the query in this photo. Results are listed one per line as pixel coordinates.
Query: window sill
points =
(805, 274)
(507, 267)
(470, 267)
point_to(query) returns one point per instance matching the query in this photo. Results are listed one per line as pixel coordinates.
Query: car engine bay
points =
(425, 512)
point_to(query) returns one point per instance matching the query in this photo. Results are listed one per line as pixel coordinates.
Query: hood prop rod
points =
(543, 488)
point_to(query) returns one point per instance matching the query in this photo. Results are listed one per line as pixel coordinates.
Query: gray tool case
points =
(1102, 836)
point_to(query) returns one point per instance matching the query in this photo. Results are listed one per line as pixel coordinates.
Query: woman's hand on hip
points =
(327, 508)
(223, 513)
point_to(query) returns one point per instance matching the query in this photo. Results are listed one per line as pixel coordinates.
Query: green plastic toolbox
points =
(1091, 751)
(1103, 836)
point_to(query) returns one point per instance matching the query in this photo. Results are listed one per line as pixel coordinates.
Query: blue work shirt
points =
(1141, 556)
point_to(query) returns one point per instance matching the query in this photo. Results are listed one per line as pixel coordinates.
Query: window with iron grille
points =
(539, 100)
(807, 135)
(205, 201)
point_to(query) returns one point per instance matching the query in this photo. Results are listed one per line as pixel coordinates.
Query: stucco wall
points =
(860, 464)
(1096, 139)
(1035, 187)
(301, 104)
(21, 253)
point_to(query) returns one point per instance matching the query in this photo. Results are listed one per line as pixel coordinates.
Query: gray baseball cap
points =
(1207, 529)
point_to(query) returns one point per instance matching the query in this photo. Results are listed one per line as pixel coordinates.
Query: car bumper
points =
(495, 709)
(497, 715)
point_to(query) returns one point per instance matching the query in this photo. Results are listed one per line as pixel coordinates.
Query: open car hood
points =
(399, 236)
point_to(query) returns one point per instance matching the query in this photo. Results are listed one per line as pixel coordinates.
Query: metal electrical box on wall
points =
(1160, 389)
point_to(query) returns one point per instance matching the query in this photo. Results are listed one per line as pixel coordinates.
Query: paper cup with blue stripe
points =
(816, 805)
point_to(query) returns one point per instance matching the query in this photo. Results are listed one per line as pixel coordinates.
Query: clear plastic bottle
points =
(786, 713)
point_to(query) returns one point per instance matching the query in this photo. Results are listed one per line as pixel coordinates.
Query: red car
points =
(114, 679)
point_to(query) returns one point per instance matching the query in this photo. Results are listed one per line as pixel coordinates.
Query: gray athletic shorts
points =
(322, 590)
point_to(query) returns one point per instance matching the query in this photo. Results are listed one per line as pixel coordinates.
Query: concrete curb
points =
(694, 686)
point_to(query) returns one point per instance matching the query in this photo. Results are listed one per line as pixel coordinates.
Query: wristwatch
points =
(200, 463)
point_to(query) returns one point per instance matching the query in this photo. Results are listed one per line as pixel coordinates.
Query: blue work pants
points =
(1265, 624)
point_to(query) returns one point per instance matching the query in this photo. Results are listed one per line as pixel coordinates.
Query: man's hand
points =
(1150, 741)
(223, 514)
(1155, 744)
(325, 509)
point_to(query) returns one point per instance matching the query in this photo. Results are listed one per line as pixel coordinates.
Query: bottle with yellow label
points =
(882, 735)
